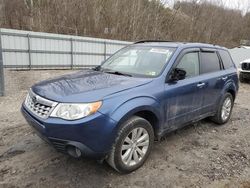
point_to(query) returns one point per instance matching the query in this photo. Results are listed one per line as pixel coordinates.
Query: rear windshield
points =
(143, 61)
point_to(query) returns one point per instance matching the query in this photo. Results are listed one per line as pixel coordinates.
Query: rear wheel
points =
(225, 110)
(132, 146)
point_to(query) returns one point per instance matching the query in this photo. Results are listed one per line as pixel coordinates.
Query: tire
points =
(241, 78)
(218, 118)
(117, 157)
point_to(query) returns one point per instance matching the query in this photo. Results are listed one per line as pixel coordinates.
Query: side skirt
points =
(177, 127)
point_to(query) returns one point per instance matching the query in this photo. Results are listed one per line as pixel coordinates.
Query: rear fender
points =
(230, 85)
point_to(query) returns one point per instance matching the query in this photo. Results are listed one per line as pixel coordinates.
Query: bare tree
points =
(196, 20)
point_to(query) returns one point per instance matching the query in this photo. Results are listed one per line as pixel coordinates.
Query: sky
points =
(243, 5)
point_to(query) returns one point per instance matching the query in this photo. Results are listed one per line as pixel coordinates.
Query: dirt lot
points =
(201, 155)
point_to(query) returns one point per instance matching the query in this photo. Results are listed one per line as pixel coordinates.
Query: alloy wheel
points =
(135, 146)
(226, 109)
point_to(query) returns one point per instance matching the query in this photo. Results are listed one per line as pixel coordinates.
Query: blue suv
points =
(145, 90)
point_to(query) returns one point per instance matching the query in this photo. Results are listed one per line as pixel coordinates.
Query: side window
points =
(209, 62)
(226, 59)
(190, 63)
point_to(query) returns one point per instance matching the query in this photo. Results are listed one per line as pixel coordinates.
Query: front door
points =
(182, 98)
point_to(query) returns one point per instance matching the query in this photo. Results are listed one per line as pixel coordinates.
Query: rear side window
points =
(226, 59)
(209, 62)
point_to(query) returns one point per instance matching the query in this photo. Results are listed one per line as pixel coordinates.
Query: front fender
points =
(132, 106)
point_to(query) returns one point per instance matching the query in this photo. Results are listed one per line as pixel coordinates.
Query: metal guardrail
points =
(31, 50)
(58, 38)
(70, 50)
(1, 70)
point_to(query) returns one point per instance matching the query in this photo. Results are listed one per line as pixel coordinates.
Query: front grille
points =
(39, 106)
(245, 66)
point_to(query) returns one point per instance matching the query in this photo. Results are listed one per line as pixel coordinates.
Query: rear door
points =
(213, 79)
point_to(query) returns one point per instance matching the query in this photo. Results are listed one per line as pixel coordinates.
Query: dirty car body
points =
(185, 87)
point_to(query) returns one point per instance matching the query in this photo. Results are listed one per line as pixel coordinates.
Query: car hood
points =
(86, 86)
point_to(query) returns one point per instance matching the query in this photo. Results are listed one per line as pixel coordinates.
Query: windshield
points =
(139, 61)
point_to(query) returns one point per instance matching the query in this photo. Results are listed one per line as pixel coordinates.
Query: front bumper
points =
(245, 75)
(93, 135)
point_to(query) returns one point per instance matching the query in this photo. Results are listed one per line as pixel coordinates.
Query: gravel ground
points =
(200, 155)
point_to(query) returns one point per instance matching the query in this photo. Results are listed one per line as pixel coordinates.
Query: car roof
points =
(178, 44)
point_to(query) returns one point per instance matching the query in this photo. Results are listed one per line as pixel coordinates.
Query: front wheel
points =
(225, 110)
(132, 146)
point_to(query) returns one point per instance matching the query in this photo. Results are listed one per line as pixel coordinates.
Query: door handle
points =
(224, 78)
(200, 85)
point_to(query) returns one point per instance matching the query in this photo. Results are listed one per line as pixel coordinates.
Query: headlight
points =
(70, 111)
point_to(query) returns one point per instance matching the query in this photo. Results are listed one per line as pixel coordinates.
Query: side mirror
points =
(177, 74)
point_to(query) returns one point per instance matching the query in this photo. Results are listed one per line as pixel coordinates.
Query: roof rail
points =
(144, 41)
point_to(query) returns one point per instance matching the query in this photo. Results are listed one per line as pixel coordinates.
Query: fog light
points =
(78, 152)
(74, 151)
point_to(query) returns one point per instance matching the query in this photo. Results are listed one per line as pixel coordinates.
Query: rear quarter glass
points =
(226, 59)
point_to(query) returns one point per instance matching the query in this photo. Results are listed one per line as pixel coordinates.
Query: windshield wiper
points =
(118, 73)
(97, 68)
